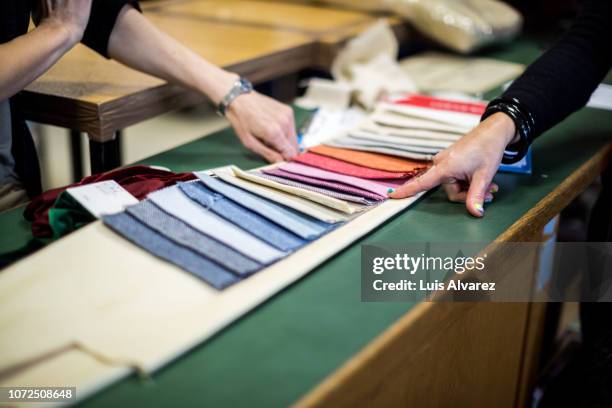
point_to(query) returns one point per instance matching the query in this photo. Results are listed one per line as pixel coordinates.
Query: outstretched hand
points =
(466, 168)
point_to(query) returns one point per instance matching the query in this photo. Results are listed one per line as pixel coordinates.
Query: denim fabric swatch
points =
(158, 245)
(320, 190)
(176, 230)
(304, 226)
(173, 201)
(244, 218)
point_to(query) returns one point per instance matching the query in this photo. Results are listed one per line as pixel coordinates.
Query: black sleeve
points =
(103, 16)
(561, 81)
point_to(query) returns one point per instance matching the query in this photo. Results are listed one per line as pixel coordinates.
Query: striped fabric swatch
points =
(343, 167)
(365, 146)
(373, 160)
(303, 170)
(320, 190)
(330, 185)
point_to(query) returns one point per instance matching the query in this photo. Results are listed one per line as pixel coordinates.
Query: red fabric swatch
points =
(137, 180)
(349, 169)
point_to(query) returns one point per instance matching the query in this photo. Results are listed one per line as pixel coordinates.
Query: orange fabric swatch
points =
(371, 160)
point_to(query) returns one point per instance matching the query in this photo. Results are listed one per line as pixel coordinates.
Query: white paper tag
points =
(103, 198)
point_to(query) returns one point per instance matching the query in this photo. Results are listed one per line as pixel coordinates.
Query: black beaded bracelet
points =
(523, 121)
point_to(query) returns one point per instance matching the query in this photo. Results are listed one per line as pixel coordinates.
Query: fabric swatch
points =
(244, 218)
(320, 190)
(412, 143)
(302, 205)
(347, 143)
(176, 230)
(313, 196)
(173, 201)
(156, 244)
(343, 167)
(300, 224)
(369, 185)
(373, 160)
(329, 185)
(352, 140)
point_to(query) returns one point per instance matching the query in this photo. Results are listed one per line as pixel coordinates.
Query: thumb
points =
(477, 193)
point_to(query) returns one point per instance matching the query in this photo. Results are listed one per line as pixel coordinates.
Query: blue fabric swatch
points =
(244, 218)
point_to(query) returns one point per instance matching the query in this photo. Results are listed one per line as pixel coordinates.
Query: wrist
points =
(507, 127)
(222, 84)
(69, 36)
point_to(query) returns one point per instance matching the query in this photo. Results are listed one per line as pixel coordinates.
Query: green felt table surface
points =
(285, 347)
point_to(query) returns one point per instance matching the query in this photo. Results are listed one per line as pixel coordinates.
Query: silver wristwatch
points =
(241, 86)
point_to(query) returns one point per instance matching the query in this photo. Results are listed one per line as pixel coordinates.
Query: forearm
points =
(27, 57)
(137, 43)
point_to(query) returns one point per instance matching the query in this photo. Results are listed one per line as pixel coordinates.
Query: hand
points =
(265, 126)
(466, 168)
(71, 15)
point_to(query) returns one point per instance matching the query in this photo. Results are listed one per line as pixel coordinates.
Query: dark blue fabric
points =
(153, 242)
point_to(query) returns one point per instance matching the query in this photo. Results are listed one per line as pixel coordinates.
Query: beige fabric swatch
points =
(302, 205)
(319, 198)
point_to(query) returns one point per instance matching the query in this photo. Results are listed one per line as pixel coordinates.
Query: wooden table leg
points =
(105, 156)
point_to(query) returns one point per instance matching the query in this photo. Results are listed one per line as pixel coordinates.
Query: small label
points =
(103, 198)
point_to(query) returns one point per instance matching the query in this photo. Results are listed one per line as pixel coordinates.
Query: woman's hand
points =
(466, 168)
(70, 15)
(265, 126)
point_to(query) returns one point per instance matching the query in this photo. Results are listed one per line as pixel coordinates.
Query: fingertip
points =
(476, 209)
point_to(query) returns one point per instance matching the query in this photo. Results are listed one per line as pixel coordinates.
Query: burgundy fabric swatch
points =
(337, 186)
(137, 180)
(320, 190)
(343, 167)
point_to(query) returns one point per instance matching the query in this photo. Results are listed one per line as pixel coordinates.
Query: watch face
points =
(246, 85)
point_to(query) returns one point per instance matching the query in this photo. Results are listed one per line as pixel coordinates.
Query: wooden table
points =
(99, 97)
(259, 40)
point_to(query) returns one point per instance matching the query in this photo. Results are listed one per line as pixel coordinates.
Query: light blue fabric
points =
(242, 217)
(156, 244)
(298, 223)
(173, 201)
(174, 229)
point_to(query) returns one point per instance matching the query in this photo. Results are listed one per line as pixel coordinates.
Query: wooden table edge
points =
(528, 228)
